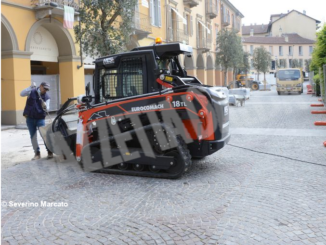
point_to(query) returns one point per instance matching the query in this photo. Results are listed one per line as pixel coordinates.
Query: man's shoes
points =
(50, 155)
(37, 156)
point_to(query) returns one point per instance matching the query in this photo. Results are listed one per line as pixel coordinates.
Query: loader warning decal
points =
(105, 113)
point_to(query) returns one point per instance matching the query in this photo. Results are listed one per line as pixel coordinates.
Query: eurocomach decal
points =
(148, 107)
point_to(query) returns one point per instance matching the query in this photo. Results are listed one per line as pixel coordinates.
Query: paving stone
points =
(259, 189)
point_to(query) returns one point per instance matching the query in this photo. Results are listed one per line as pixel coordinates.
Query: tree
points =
(295, 63)
(229, 51)
(319, 58)
(262, 60)
(100, 32)
(307, 65)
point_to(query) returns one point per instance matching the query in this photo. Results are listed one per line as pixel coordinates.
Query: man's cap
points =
(45, 85)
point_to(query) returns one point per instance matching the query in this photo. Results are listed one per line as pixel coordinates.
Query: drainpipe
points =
(80, 44)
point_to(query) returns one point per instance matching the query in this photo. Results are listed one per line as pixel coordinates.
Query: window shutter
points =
(191, 26)
(197, 34)
(185, 27)
(159, 13)
(151, 11)
(168, 23)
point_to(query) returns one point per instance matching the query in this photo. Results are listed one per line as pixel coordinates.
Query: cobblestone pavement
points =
(260, 189)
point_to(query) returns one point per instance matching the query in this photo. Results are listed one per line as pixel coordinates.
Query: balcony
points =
(142, 25)
(44, 8)
(211, 9)
(237, 26)
(204, 44)
(178, 35)
(191, 3)
(225, 19)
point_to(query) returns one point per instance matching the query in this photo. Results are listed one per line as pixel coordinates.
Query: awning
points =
(180, 16)
(208, 30)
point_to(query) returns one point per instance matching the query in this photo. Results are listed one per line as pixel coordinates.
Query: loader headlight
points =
(226, 110)
(80, 99)
(279, 85)
(299, 85)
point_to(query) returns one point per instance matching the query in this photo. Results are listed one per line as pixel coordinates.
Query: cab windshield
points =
(288, 74)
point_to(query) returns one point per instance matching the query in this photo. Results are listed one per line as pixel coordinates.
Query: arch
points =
(210, 63)
(200, 62)
(189, 63)
(8, 36)
(61, 35)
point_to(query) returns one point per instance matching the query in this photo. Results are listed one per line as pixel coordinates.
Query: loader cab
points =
(124, 75)
(135, 73)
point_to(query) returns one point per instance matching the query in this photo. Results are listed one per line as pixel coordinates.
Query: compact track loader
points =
(147, 117)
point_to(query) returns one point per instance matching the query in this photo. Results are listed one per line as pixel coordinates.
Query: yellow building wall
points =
(17, 16)
(72, 81)
(157, 31)
(15, 76)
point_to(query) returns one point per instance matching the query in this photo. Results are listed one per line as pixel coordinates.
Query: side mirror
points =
(87, 88)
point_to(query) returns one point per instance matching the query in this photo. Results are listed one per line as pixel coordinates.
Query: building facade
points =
(289, 38)
(35, 46)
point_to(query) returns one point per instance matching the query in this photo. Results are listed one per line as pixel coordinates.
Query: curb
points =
(3, 128)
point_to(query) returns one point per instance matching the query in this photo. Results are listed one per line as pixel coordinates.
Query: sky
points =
(259, 11)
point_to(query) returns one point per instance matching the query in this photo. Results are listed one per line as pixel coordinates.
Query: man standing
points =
(38, 102)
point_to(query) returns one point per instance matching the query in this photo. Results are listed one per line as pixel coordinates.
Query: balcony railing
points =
(57, 3)
(45, 8)
(204, 44)
(237, 26)
(191, 3)
(178, 35)
(211, 9)
(142, 25)
(225, 19)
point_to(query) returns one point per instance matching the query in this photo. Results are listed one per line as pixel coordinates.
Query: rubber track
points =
(183, 151)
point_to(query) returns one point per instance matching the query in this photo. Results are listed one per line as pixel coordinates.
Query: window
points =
(290, 50)
(310, 50)
(124, 81)
(282, 63)
(155, 12)
(301, 62)
(244, 48)
(251, 64)
(290, 63)
(216, 31)
(187, 25)
(300, 51)
(288, 74)
(217, 6)
(280, 51)
(271, 50)
(251, 49)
